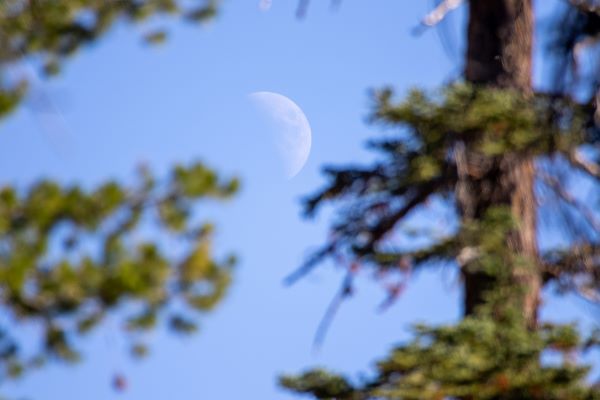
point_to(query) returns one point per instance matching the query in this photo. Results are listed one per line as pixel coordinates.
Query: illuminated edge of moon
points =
(293, 131)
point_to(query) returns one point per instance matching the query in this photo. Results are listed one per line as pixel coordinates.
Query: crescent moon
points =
(292, 132)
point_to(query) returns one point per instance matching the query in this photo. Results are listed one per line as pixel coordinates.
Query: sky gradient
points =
(120, 103)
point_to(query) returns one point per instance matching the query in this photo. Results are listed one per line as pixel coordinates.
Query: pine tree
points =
(488, 147)
(71, 256)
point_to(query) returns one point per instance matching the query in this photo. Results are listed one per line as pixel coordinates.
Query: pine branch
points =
(445, 250)
(569, 266)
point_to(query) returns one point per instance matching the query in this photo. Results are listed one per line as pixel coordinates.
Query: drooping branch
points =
(344, 292)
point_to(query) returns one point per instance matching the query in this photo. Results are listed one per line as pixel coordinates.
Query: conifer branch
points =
(581, 260)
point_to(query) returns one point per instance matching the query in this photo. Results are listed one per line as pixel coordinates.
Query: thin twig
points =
(436, 16)
(310, 264)
(345, 291)
(572, 201)
(581, 163)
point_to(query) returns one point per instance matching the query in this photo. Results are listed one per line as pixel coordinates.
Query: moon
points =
(291, 131)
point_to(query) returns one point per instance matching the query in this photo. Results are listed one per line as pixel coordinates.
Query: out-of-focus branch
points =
(332, 309)
(589, 294)
(312, 262)
(581, 261)
(581, 163)
(302, 8)
(439, 13)
(568, 198)
(586, 5)
(436, 16)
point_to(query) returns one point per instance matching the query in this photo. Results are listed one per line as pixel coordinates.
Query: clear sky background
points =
(120, 104)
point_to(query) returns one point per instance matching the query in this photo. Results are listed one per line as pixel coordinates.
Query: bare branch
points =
(438, 14)
(579, 162)
(568, 198)
(589, 294)
(345, 291)
(311, 263)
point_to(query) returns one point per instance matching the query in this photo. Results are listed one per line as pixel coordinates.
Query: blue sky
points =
(121, 104)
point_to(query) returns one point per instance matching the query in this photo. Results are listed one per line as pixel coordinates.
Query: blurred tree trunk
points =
(500, 36)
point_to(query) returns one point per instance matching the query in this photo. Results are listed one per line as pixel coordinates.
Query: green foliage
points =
(320, 383)
(477, 359)
(69, 257)
(10, 98)
(48, 31)
(421, 163)
(490, 355)
(491, 121)
(494, 353)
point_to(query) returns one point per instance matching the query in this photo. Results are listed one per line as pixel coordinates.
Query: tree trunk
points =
(500, 39)
(500, 35)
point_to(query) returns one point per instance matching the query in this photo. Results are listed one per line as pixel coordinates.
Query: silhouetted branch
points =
(309, 265)
(385, 225)
(345, 291)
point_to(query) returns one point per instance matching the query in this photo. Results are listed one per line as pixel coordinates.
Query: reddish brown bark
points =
(500, 39)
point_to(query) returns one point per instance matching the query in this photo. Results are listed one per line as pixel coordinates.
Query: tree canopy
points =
(71, 255)
(46, 32)
(499, 153)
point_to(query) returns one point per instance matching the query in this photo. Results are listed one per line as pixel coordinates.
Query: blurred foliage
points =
(491, 354)
(420, 164)
(442, 142)
(70, 257)
(48, 31)
(476, 359)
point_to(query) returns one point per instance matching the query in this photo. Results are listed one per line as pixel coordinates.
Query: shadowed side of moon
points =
(289, 129)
